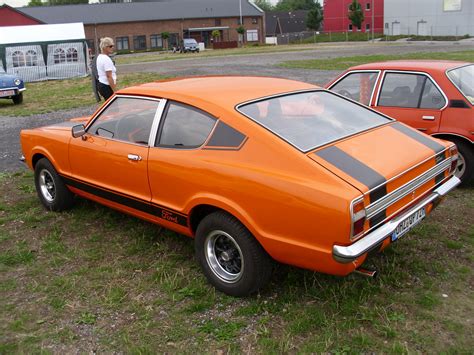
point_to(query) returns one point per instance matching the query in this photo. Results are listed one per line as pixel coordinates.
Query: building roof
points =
(140, 11)
(277, 22)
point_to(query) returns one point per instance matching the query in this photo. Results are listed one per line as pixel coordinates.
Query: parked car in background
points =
(189, 45)
(256, 170)
(11, 87)
(435, 97)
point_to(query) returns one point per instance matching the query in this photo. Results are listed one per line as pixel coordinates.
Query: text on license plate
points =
(7, 93)
(408, 224)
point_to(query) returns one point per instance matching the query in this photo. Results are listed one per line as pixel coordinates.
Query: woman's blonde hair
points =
(105, 42)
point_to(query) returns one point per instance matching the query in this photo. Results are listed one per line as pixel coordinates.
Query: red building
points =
(12, 17)
(336, 14)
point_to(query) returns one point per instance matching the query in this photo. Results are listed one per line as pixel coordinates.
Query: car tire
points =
(231, 258)
(465, 168)
(52, 192)
(18, 99)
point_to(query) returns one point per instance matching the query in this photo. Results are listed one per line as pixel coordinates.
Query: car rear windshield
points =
(463, 78)
(308, 120)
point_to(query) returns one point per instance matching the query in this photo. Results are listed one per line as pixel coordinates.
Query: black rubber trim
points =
(140, 205)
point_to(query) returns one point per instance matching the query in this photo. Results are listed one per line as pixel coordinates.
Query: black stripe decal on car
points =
(225, 136)
(419, 137)
(139, 205)
(353, 168)
(362, 173)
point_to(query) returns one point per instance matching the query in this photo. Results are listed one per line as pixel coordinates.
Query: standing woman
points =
(106, 69)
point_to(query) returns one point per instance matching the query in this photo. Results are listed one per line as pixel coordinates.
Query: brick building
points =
(140, 25)
(336, 14)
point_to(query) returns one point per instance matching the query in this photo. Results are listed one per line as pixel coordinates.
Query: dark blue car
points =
(11, 87)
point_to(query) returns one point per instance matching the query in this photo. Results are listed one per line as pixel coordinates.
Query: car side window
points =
(126, 119)
(410, 91)
(432, 98)
(185, 127)
(357, 86)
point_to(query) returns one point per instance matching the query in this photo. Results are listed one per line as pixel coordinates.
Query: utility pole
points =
(240, 11)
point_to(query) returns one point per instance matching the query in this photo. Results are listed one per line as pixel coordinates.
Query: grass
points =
(342, 63)
(54, 95)
(92, 279)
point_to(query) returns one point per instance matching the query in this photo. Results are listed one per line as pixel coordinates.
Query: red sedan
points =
(435, 97)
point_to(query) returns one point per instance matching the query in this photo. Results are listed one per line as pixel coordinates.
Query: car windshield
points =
(308, 120)
(190, 41)
(463, 78)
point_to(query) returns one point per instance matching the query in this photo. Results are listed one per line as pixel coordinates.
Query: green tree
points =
(264, 5)
(36, 3)
(356, 15)
(165, 36)
(314, 18)
(216, 35)
(292, 5)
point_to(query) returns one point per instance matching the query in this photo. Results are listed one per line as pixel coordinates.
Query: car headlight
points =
(17, 82)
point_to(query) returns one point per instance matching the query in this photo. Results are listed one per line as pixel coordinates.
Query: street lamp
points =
(240, 12)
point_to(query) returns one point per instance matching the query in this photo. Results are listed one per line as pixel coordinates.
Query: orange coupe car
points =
(435, 97)
(256, 170)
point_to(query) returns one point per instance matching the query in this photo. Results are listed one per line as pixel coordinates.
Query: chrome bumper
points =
(347, 254)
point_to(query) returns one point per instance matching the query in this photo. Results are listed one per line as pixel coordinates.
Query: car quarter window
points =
(184, 127)
(127, 119)
(410, 90)
(357, 86)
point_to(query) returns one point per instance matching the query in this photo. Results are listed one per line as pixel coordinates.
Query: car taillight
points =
(358, 217)
(454, 158)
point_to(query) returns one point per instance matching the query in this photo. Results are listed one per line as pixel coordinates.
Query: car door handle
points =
(428, 118)
(134, 157)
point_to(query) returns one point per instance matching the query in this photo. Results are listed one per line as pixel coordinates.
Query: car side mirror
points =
(78, 130)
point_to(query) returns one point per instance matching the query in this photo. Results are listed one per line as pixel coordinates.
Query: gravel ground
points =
(255, 64)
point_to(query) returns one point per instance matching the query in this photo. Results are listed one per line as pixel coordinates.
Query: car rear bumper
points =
(347, 254)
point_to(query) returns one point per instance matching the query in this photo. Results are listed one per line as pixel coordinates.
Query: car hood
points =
(383, 159)
(7, 80)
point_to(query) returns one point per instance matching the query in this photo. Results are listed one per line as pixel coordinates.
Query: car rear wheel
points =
(52, 192)
(465, 168)
(231, 258)
(18, 99)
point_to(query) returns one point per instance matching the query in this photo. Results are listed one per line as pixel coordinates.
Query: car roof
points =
(224, 91)
(414, 65)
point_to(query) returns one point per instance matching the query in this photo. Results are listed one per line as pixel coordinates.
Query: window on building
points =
(121, 43)
(31, 58)
(59, 56)
(252, 35)
(367, 27)
(350, 27)
(367, 6)
(217, 22)
(139, 42)
(254, 20)
(156, 41)
(173, 40)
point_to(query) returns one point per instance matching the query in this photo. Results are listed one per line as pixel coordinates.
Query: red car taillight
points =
(454, 158)
(358, 215)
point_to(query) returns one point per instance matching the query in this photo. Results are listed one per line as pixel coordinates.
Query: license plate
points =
(408, 224)
(7, 93)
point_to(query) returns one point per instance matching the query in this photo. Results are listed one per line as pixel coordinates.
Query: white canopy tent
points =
(41, 52)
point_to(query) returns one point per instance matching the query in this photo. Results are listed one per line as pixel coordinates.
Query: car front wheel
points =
(18, 99)
(52, 192)
(230, 257)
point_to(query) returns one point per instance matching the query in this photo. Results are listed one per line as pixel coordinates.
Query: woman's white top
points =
(105, 64)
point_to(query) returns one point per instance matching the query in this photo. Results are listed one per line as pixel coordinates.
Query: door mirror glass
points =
(78, 130)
